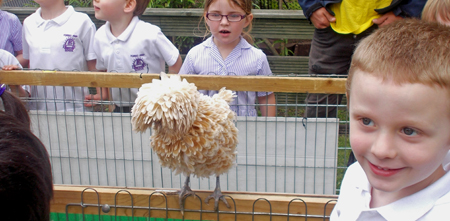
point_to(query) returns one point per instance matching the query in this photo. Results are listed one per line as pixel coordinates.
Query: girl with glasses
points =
(229, 52)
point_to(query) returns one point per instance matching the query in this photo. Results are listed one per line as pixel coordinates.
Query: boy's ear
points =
(130, 6)
(348, 100)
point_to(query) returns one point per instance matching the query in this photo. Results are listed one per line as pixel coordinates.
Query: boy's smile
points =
(400, 134)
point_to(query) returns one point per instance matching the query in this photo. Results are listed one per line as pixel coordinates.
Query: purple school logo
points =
(69, 43)
(138, 63)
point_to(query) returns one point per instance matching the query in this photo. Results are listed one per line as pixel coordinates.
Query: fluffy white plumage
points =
(192, 133)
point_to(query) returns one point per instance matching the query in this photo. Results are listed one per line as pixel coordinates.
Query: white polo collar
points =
(125, 34)
(60, 20)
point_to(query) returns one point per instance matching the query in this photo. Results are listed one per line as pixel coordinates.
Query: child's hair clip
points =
(2, 89)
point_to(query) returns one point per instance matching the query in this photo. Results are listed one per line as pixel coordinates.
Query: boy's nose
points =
(383, 147)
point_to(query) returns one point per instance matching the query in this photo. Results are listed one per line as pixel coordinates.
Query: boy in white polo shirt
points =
(126, 44)
(56, 37)
(398, 90)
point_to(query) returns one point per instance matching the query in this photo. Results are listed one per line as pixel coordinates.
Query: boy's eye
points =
(367, 121)
(409, 131)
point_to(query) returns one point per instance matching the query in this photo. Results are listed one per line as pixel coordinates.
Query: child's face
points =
(400, 134)
(109, 10)
(226, 33)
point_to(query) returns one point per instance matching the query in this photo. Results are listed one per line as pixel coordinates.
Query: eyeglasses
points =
(230, 17)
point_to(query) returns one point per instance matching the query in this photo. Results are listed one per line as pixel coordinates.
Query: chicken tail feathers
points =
(226, 95)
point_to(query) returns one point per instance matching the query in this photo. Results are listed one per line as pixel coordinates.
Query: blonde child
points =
(399, 105)
(56, 37)
(437, 11)
(228, 52)
(126, 44)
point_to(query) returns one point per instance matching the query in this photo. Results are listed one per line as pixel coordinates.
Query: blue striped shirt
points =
(205, 59)
(10, 32)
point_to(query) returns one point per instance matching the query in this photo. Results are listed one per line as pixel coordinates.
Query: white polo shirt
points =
(141, 48)
(64, 43)
(6, 58)
(431, 203)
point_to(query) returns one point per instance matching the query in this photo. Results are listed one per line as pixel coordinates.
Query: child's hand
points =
(11, 67)
(91, 100)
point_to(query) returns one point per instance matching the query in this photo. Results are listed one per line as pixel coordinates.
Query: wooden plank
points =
(133, 80)
(267, 23)
(245, 203)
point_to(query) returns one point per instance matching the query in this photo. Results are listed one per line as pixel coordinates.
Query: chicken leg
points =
(185, 192)
(217, 195)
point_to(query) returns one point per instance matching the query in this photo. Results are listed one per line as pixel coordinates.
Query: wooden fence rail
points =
(244, 206)
(204, 82)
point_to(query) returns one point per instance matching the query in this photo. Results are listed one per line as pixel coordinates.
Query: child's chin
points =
(97, 16)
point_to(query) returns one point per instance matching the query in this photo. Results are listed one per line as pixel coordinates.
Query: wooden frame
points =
(244, 206)
(132, 80)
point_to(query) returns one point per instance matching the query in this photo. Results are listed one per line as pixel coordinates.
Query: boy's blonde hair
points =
(407, 51)
(435, 9)
(141, 5)
(245, 5)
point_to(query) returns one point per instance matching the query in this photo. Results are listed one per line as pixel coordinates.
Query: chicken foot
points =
(185, 192)
(217, 195)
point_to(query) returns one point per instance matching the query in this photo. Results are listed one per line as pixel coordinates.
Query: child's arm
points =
(175, 68)
(269, 111)
(102, 93)
(19, 91)
(24, 62)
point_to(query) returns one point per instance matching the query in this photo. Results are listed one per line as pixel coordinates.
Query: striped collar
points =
(243, 44)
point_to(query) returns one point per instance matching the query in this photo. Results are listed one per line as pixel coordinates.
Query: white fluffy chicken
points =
(192, 133)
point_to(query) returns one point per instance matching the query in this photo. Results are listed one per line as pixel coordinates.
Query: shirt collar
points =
(125, 34)
(243, 44)
(60, 20)
(2, 14)
(418, 204)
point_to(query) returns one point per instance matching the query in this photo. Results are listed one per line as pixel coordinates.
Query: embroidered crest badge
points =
(69, 43)
(139, 64)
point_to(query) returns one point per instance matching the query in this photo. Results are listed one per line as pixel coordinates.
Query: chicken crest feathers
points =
(169, 103)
